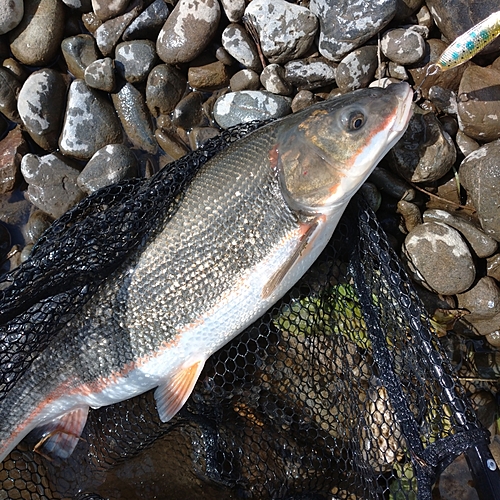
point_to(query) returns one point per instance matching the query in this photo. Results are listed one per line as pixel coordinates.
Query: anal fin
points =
(171, 395)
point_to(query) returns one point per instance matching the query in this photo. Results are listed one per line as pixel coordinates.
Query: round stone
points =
(79, 51)
(134, 60)
(165, 88)
(403, 46)
(11, 13)
(239, 44)
(357, 69)
(101, 74)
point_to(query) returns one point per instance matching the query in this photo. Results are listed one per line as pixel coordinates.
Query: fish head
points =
(332, 147)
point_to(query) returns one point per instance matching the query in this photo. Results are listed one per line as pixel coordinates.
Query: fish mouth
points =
(403, 112)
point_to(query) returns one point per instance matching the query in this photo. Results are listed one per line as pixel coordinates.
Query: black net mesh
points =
(339, 391)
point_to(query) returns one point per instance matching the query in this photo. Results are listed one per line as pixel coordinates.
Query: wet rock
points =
(90, 122)
(444, 99)
(303, 99)
(371, 195)
(18, 70)
(91, 22)
(234, 9)
(188, 112)
(340, 28)
(41, 107)
(108, 34)
(132, 111)
(51, 183)
(101, 74)
(286, 31)
(134, 60)
(273, 80)
(211, 76)
(110, 164)
(482, 300)
(11, 13)
(480, 175)
(493, 266)
(410, 213)
(149, 23)
(357, 69)
(465, 144)
(403, 46)
(188, 30)
(482, 244)
(391, 184)
(425, 153)
(169, 140)
(37, 38)
(12, 149)
(79, 51)
(5, 242)
(246, 79)
(239, 44)
(310, 74)
(397, 71)
(405, 8)
(10, 87)
(37, 224)
(479, 103)
(490, 328)
(165, 88)
(438, 257)
(104, 9)
(200, 135)
(83, 5)
(248, 105)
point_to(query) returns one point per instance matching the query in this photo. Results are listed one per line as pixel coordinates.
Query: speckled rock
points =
(101, 74)
(303, 99)
(210, 76)
(51, 183)
(134, 60)
(248, 105)
(493, 266)
(90, 122)
(404, 46)
(438, 257)
(10, 87)
(480, 175)
(286, 31)
(239, 44)
(165, 88)
(12, 148)
(37, 224)
(479, 103)
(41, 107)
(273, 80)
(234, 9)
(357, 69)
(465, 144)
(36, 40)
(104, 9)
(11, 13)
(110, 164)
(188, 30)
(245, 79)
(148, 23)
(346, 24)
(78, 52)
(83, 5)
(310, 74)
(482, 300)
(188, 112)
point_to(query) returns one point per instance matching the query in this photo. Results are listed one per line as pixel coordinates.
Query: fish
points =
(248, 226)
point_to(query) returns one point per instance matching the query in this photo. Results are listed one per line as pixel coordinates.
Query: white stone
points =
(11, 13)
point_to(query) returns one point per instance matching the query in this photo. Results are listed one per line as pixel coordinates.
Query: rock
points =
(200, 135)
(444, 99)
(357, 69)
(239, 44)
(91, 22)
(303, 99)
(51, 183)
(11, 13)
(405, 8)
(132, 111)
(438, 258)
(149, 23)
(346, 24)
(12, 149)
(479, 103)
(493, 266)
(104, 9)
(465, 144)
(245, 79)
(5, 242)
(37, 224)
(308, 74)
(169, 140)
(41, 107)
(108, 33)
(248, 105)
(37, 39)
(482, 244)
(480, 176)
(410, 213)
(10, 87)
(82, 5)
(273, 80)
(110, 164)
(90, 122)
(134, 60)
(188, 30)
(403, 46)
(286, 31)
(425, 153)
(165, 88)
(234, 9)
(17, 69)
(482, 300)
(79, 51)
(211, 76)
(391, 184)
(397, 71)
(101, 74)
(188, 112)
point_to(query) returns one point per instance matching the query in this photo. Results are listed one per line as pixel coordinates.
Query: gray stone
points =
(303, 99)
(482, 300)
(248, 105)
(357, 69)
(239, 44)
(108, 33)
(403, 46)
(13, 147)
(234, 9)
(346, 24)
(188, 30)
(90, 122)
(465, 144)
(11, 13)
(165, 87)
(82, 5)
(273, 80)
(444, 99)
(10, 87)
(392, 184)
(101, 74)
(310, 74)
(286, 31)
(51, 183)
(148, 23)
(41, 107)
(493, 266)
(109, 165)
(397, 71)
(134, 60)
(245, 79)
(104, 9)
(405, 8)
(79, 51)
(188, 113)
(438, 258)
(37, 224)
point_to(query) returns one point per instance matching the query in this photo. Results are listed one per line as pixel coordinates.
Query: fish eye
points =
(356, 121)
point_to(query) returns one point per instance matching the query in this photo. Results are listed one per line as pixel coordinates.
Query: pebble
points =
(12, 148)
(134, 60)
(303, 99)
(10, 87)
(78, 52)
(90, 122)
(403, 46)
(148, 23)
(110, 164)
(465, 144)
(211, 76)
(310, 74)
(273, 80)
(18, 70)
(164, 89)
(188, 112)
(248, 105)
(357, 69)
(340, 28)
(101, 74)
(188, 30)
(438, 257)
(286, 31)
(40, 107)
(200, 135)
(391, 184)
(482, 300)
(245, 79)
(51, 183)
(11, 13)
(104, 9)
(493, 266)
(239, 44)
(234, 9)
(36, 40)
(37, 223)
(83, 5)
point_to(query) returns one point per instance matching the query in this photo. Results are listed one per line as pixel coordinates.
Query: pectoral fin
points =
(173, 393)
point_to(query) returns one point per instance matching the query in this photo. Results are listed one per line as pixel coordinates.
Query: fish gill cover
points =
(339, 391)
